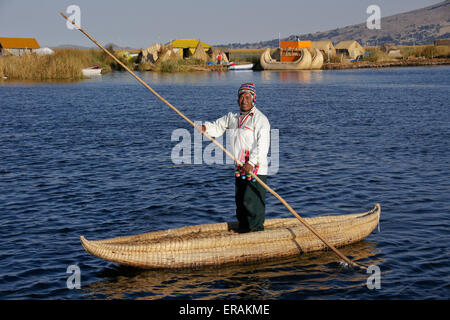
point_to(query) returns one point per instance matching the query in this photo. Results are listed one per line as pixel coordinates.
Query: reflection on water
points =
(287, 76)
(284, 76)
(278, 279)
(296, 76)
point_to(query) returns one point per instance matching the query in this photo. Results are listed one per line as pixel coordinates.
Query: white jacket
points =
(248, 132)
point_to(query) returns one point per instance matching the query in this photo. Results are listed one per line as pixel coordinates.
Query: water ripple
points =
(93, 158)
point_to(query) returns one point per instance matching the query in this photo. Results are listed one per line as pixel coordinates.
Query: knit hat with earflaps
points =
(250, 88)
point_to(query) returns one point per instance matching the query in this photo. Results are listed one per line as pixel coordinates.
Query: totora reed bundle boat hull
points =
(220, 243)
(316, 59)
(302, 63)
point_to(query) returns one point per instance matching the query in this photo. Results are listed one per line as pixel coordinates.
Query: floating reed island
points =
(392, 56)
(67, 64)
(64, 64)
(310, 55)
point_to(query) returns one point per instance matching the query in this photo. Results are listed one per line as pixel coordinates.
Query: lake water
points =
(93, 158)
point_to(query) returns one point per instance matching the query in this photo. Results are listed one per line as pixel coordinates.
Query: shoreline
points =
(326, 66)
(386, 64)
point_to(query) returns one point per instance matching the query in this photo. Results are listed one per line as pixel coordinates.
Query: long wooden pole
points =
(303, 221)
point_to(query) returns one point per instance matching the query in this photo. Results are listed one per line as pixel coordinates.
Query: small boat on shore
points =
(248, 66)
(92, 71)
(222, 243)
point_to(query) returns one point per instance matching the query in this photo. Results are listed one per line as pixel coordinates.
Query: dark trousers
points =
(250, 204)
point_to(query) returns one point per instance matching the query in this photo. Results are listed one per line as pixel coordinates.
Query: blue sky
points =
(140, 23)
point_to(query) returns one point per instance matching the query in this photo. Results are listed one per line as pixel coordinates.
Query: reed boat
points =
(222, 243)
(302, 63)
(316, 59)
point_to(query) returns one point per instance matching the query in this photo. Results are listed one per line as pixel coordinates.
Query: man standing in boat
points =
(249, 131)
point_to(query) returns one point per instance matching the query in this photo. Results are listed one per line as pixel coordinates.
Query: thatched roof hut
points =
(150, 54)
(200, 53)
(168, 54)
(325, 46)
(391, 50)
(351, 48)
(214, 53)
(186, 47)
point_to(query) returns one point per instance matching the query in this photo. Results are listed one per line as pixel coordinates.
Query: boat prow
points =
(221, 243)
(316, 59)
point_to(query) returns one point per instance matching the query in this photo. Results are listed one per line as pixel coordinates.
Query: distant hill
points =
(71, 46)
(421, 26)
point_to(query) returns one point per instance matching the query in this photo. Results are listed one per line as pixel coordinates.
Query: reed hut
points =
(186, 47)
(200, 53)
(350, 48)
(215, 52)
(168, 54)
(150, 54)
(17, 46)
(391, 50)
(326, 47)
